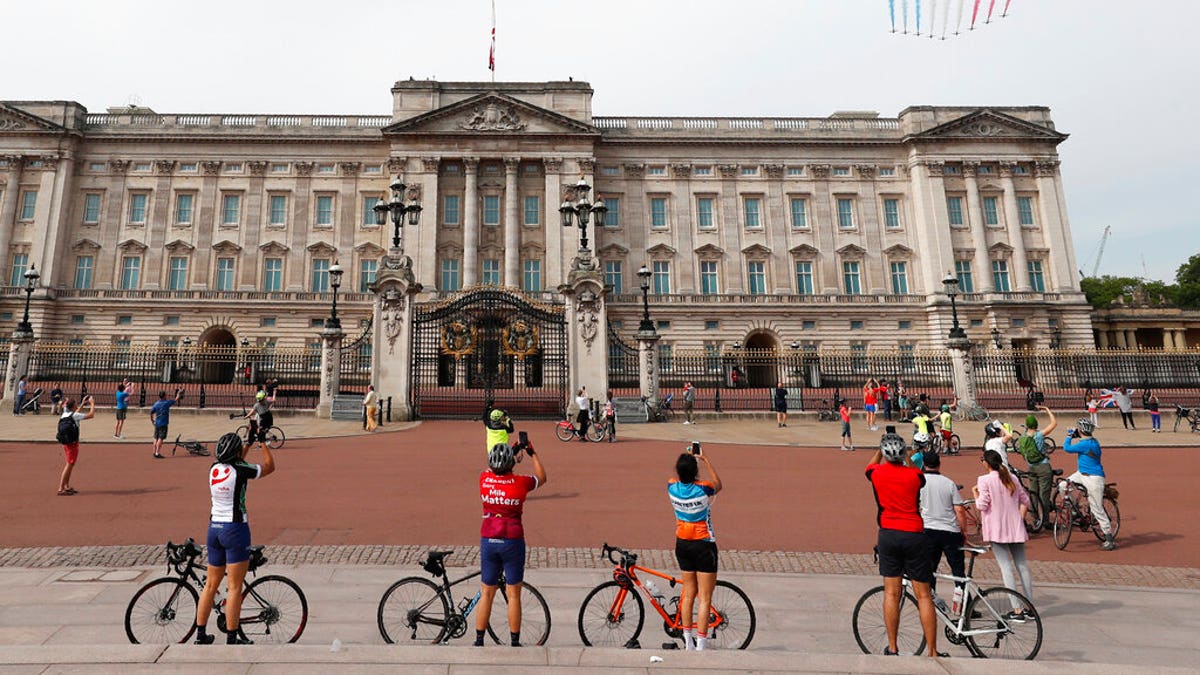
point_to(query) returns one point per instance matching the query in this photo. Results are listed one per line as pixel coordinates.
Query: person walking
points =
(502, 535)
(901, 544)
(19, 401)
(1092, 407)
(1090, 475)
(1032, 446)
(56, 400)
(870, 387)
(68, 437)
(229, 534)
(695, 542)
(1125, 405)
(583, 418)
(122, 407)
(844, 413)
(160, 417)
(945, 520)
(689, 402)
(1155, 415)
(370, 403)
(780, 404)
(1002, 504)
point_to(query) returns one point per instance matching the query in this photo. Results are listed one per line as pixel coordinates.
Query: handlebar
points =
(179, 554)
(627, 558)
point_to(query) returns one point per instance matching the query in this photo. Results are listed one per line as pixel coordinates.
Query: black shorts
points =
(160, 433)
(696, 555)
(780, 406)
(904, 554)
(121, 413)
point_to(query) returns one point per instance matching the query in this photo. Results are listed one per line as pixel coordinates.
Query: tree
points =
(1102, 291)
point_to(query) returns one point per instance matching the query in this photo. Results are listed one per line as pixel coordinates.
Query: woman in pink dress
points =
(1002, 504)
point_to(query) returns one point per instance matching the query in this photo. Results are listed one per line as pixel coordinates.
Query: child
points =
(610, 417)
(1155, 416)
(844, 411)
(1093, 405)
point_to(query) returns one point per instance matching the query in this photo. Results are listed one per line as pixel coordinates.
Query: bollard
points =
(379, 415)
(717, 401)
(389, 409)
(202, 394)
(142, 393)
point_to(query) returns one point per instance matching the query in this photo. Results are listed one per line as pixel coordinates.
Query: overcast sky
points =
(1119, 76)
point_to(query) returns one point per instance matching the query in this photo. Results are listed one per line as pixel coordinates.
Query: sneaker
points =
(205, 639)
(115, 436)
(1109, 545)
(686, 422)
(158, 456)
(887, 651)
(1015, 616)
(238, 640)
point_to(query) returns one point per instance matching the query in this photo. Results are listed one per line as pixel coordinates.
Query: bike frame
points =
(970, 589)
(672, 622)
(186, 570)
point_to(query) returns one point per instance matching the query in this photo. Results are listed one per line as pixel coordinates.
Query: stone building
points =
(831, 232)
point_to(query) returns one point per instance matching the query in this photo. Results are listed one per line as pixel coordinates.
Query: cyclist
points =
(502, 537)
(921, 420)
(1032, 446)
(946, 422)
(945, 520)
(610, 417)
(695, 542)
(1090, 474)
(497, 426)
(996, 439)
(229, 534)
(922, 445)
(901, 545)
(1002, 504)
(261, 418)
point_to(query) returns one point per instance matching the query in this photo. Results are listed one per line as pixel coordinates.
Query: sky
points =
(1121, 77)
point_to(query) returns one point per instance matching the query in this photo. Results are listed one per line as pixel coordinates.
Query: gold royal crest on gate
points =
(520, 339)
(458, 339)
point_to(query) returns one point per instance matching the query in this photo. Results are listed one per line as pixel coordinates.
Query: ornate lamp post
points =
(31, 278)
(950, 288)
(644, 282)
(996, 338)
(335, 281)
(398, 209)
(581, 211)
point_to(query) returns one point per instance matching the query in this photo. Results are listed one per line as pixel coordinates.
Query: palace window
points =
(491, 209)
(1000, 276)
(450, 210)
(661, 277)
(91, 208)
(804, 277)
(177, 275)
(28, 204)
(708, 277)
(851, 279)
(320, 275)
(273, 275)
(20, 263)
(845, 213)
(131, 270)
(658, 212)
(183, 208)
(1037, 281)
(450, 280)
(231, 206)
(368, 211)
(491, 271)
(533, 275)
(799, 213)
(899, 272)
(704, 213)
(954, 211)
(991, 215)
(533, 210)
(891, 214)
(1025, 211)
(325, 210)
(278, 209)
(367, 269)
(613, 275)
(85, 266)
(751, 209)
(962, 269)
(224, 280)
(756, 275)
(137, 208)
(613, 217)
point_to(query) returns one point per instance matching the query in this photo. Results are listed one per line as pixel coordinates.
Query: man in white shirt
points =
(371, 403)
(945, 518)
(583, 419)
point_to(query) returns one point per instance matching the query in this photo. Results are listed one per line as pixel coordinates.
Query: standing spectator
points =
(1092, 406)
(160, 417)
(689, 402)
(1155, 415)
(695, 543)
(1090, 475)
(901, 544)
(870, 387)
(885, 399)
(20, 400)
(122, 407)
(56, 400)
(1032, 446)
(1125, 405)
(945, 519)
(844, 412)
(780, 404)
(496, 427)
(1002, 504)
(68, 437)
(583, 419)
(736, 377)
(902, 400)
(371, 404)
(610, 416)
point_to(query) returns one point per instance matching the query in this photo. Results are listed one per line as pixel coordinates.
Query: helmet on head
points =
(923, 409)
(496, 415)
(500, 458)
(260, 395)
(1085, 426)
(1031, 422)
(992, 430)
(920, 438)
(892, 446)
(229, 448)
(945, 407)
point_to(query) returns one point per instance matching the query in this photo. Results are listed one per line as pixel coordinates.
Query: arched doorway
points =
(216, 357)
(761, 360)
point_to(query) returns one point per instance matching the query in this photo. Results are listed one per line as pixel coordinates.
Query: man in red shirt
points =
(902, 547)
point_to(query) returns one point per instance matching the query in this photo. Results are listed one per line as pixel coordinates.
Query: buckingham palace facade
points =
(830, 232)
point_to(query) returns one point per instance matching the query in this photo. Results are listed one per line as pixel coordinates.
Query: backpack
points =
(68, 430)
(1027, 446)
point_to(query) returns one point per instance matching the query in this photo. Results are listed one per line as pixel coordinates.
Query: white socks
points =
(701, 641)
(689, 639)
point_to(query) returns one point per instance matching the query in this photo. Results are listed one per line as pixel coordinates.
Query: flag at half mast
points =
(492, 51)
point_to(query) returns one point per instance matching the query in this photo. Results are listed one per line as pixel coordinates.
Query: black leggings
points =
(1127, 420)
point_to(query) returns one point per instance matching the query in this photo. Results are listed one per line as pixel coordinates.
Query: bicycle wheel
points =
(1114, 518)
(974, 523)
(597, 433)
(162, 611)
(1064, 515)
(413, 609)
(243, 432)
(535, 616)
(274, 611)
(871, 633)
(275, 438)
(1033, 515)
(602, 623)
(1008, 637)
(565, 432)
(955, 444)
(731, 620)
(1049, 445)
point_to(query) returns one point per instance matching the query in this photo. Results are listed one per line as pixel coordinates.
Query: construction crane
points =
(1099, 252)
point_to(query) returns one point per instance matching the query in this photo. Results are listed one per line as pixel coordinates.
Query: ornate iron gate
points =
(489, 344)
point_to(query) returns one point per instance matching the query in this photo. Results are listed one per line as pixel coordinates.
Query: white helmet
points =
(920, 438)
(892, 447)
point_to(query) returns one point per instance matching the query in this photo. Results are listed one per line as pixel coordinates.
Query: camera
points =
(695, 447)
(1071, 432)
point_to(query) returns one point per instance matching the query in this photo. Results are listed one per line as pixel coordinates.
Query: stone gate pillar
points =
(20, 351)
(391, 331)
(963, 371)
(648, 365)
(331, 369)
(587, 327)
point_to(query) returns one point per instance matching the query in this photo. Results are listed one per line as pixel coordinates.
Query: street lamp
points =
(1056, 338)
(582, 210)
(335, 281)
(31, 277)
(398, 209)
(644, 282)
(996, 338)
(950, 288)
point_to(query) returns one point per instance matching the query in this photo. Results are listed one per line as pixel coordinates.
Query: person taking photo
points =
(695, 542)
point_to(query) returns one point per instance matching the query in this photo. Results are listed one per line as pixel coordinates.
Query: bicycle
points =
(195, 448)
(420, 610)
(1071, 511)
(1049, 445)
(613, 613)
(971, 413)
(567, 431)
(940, 446)
(1034, 518)
(274, 437)
(1191, 415)
(974, 521)
(986, 626)
(828, 413)
(661, 412)
(274, 609)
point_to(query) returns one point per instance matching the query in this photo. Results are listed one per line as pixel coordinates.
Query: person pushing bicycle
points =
(695, 542)
(229, 534)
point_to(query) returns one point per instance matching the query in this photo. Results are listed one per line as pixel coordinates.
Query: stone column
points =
(1016, 239)
(555, 260)
(206, 222)
(8, 212)
(512, 225)
(587, 335)
(331, 370)
(1102, 335)
(425, 241)
(470, 261)
(1119, 339)
(46, 248)
(1054, 229)
(963, 371)
(981, 268)
(648, 365)
(20, 350)
(1131, 339)
(395, 289)
(823, 227)
(1181, 338)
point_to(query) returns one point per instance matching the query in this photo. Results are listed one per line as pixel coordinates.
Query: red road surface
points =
(421, 487)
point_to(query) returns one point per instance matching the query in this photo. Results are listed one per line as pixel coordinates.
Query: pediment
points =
(369, 249)
(756, 251)
(226, 246)
(85, 245)
(132, 246)
(710, 251)
(852, 251)
(987, 124)
(273, 248)
(804, 251)
(661, 251)
(490, 113)
(179, 245)
(1000, 246)
(18, 121)
(613, 251)
(533, 247)
(898, 251)
(321, 248)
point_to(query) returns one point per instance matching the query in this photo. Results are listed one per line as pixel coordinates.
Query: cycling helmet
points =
(923, 410)
(920, 439)
(1085, 426)
(497, 415)
(500, 458)
(945, 407)
(260, 395)
(892, 447)
(992, 430)
(229, 448)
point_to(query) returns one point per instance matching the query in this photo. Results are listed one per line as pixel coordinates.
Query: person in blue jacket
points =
(1090, 474)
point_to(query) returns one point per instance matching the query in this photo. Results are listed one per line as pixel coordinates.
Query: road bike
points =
(997, 622)
(613, 613)
(274, 609)
(193, 447)
(1189, 416)
(827, 413)
(1049, 445)
(567, 431)
(941, 447)
(416, 609)
(274, 438)
(1072, 511)
(1034, 518)
(974, 522)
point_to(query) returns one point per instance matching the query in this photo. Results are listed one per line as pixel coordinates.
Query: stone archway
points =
(216, 358)
(761, 359)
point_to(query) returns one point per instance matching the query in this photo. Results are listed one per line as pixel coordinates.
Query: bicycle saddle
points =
(438, 555)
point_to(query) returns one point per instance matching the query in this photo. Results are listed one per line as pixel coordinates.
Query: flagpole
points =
(492, 52)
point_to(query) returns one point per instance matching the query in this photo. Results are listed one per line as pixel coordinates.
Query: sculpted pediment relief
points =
(661, 251)
(321, 248)
(491, 113)
(226, 246)
(898, 251)
(85, 245)
(990, 124)
(710, 251)
(613, 251)
(852, 251)
(132, 246)
(19, 121)
(179, 246)
(368, 249)
(804, 251)
(273, 248)
(756, 251)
